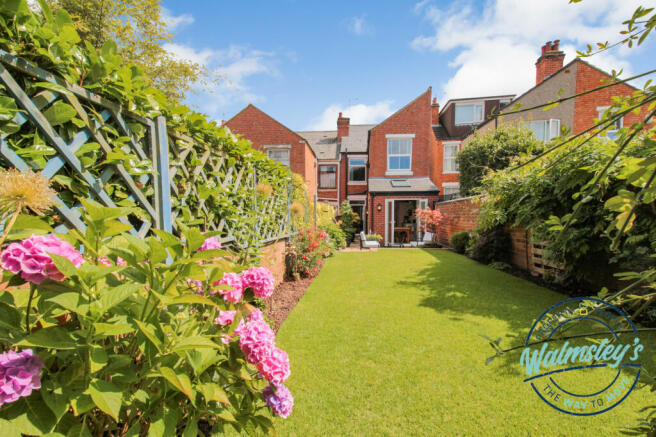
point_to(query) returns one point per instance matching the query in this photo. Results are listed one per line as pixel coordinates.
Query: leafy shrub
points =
(306, 253)
(139, 336)
(430, 219)
(493, 150)
(336, 234)
(492, 245)
(431, 244)
(348, 219)
(374, 237)
(459, 241)
(542, 195)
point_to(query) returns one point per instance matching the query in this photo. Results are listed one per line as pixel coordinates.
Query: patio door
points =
(421, 204)
(389, 221)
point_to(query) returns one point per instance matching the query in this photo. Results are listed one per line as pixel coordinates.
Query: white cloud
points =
(176, 21)
(497, 46)
(359, 114)
(232, 67)
(359, 25)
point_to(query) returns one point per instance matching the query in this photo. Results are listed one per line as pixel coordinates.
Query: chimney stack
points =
(549, 62)
(435, 112)
(342, 127)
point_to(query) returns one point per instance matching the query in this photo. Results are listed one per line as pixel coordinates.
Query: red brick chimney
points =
(435, 112)
(342, 127)
(549, 62)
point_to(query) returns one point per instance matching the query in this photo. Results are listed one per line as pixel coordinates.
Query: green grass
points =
(386, 343)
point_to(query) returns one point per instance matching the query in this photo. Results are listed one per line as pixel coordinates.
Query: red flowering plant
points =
(105, 333)
(430, 220)
(307, 252)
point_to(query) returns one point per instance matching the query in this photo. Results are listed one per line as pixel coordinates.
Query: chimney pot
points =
(222, 122)
(340, 115)
(434, 100)
(549, 62)
(555, 45)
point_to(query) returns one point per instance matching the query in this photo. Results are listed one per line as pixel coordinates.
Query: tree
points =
(139, 29)
(493, 150)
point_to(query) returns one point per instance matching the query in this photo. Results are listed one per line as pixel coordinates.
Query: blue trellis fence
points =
(120, 158)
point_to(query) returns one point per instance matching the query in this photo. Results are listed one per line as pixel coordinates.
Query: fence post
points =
(163, 182)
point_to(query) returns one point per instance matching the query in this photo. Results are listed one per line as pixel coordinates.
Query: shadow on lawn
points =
(456, 285)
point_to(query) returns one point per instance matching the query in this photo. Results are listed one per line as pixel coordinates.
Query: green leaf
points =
(188, 299)
(148, 331)
(79, 430)
(57, 402)
(213, 393)
(68, 301)
(111, 329)
(64, 265)
(53, 337)
(59, 113)
(53, 86)
(195, 342)
(106, 396)
(179, 381)
(114, 296)
(191, 430)
(27, 225)
(39, 414)
(98, 358)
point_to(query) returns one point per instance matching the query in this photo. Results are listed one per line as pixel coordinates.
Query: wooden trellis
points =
(159, 189)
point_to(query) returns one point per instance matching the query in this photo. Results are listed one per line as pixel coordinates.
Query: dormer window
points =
(471, 113)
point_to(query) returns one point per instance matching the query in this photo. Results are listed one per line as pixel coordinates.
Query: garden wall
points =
(273, 258)
(458, 215)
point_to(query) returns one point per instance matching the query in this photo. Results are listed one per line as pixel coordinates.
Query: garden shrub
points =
(459, 241)
(493, 150)
(336, 234)
(374, 237)
(492, 245)
(348, 219)
(306, 253)
(133, 336)
(542, 195)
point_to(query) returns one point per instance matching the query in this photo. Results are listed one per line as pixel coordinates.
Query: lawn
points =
(386, 343)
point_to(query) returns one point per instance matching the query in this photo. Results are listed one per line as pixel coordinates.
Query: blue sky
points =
(304, 61)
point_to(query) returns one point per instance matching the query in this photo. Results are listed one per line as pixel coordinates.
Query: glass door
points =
(389, 221)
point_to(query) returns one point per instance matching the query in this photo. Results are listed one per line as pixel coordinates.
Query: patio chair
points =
(367, 244)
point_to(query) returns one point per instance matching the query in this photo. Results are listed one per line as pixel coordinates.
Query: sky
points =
(303, 62)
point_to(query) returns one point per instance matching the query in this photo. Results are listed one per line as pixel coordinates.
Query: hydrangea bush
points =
(105, 333)
(307, 251)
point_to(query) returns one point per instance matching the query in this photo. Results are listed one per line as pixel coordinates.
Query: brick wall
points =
(414, 118)
(585, 107)
(261, 129)
(458, 215)
(273, 258)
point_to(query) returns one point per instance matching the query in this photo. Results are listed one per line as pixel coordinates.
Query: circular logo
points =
(581, 356)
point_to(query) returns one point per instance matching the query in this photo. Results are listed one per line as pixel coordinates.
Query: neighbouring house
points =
(279, 142)
(458, 119)
(553, 80)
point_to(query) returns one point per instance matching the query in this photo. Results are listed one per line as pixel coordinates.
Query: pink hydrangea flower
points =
(260, 279)
(20, 373)
(256, 340)
(235, 281)
(280, 401)
(275, 367)
(30, 257)
(107, 262)
(210, 243)
(225, 318)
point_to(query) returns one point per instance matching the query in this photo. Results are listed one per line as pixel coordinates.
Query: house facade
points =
(280, 143)
(555, 80)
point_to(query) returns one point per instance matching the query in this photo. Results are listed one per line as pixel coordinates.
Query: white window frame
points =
(278, 148)
(446, 185)
(362, 157)
(551, 128)
(475, 114)
(611, 133)
(399, 172)
(445, 145)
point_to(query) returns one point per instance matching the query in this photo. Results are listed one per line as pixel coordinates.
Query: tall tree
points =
(139, 29)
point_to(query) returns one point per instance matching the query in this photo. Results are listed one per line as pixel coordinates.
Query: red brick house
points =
(555, 80)
(278, 141)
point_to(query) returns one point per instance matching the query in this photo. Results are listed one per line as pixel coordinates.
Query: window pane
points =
(393, 163)
(479, 113)
(281, 156)
(464, 113)
(357, 174)
(327, 176)
(393, 147)
(405, 146)
(404, 163)
(539, 129)
(353, 162)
